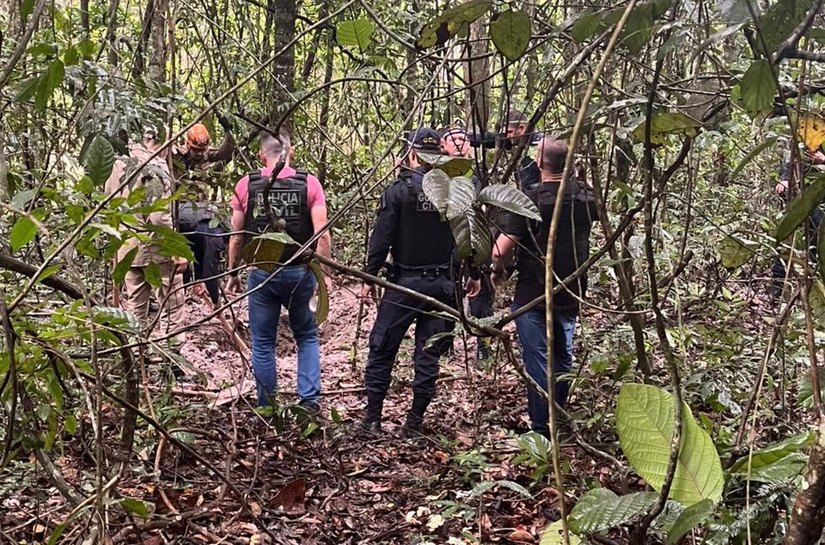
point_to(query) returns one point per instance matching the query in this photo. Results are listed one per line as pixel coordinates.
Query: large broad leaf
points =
(322, 309)
(48, 83)
(452, 22)
(690, 518)
(586, 25)
(640, 24)
(23, 232)
(644, 420)
(356, 33)
(665, 124)
(472, 237)
(758, 87)
(452, 166)
(800, 208)
(736, 11)
(810, 128)
(117, 318)
(601, 509)
(511, 34)
(450, 196)
(138, 507)
(509, 198)
(169, 242)
(123, 266)
(100, 158)
(553, 535)
(735, 252)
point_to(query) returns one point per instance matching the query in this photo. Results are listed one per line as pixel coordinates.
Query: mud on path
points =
(459, 484)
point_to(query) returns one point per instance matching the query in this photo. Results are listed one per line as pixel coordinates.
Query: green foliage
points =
(758, 87)
(535, 451)
(644, 420)
(600, 509)
(100, 158)
(357, 33)
(451, 22)
(322, 310)
(511, 32)
(472, 235)
(800, 208)
(509, 198)
(23, 232)
(768, 143)
(665, 124)
(779, 21)
(138, 507)
(554, 535)
(775, 463)
(452, 197)
(689, 519)
(735, 252)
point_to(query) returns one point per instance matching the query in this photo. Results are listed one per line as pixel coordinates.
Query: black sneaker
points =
(412, 428)
(368, 426)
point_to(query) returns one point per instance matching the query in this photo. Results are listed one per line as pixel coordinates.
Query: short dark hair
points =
(553, 154)
(516, 117)
(272, 147)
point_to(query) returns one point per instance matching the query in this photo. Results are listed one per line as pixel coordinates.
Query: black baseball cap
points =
(424, 139)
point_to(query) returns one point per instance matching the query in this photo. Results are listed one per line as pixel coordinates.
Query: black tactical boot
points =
(371, 423)
(415, 418)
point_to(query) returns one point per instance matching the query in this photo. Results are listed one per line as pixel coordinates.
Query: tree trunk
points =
(808, 515)
(157, 60)
(476, 73)
(139, 63)
(325, 107)
(284, 12)
(84, 18)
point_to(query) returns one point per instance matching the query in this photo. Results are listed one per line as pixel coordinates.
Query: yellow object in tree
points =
(811, 131)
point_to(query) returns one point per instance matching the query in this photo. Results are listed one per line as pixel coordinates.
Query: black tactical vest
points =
(423, 238)
(288, 202)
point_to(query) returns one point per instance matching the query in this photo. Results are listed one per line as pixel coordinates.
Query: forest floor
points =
(463, 482)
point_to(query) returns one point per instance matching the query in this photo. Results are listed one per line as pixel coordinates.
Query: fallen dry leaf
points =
(290, 498)
(520, 535)
(441, 457)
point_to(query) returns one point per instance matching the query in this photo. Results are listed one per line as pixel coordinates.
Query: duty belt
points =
(422, 272)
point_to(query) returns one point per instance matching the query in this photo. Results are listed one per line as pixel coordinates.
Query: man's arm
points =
(225, 151)
(319, 220)
(236, 241)
(383, 232)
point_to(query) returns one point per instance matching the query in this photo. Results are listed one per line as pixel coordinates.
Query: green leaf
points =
(48, 83)
(773, 453)
(665, 124)
(752, 154)
(116, 317)
(100, 158)
(71, 56)
(554, 535)
(57, 532)
(515, 487)
(511, 33)
(450, 23)
(22, 198)
(23, 232)
(43, 49)
(820, 247)
(47, 272)
(587, 24)
(472, 237)
(152, 275)
(169, 242)
(27, 88)
(26, 8)
(690, 518)
(356, 33)
(123, 266)
(758, 87)
(735, 252)
(644, 421)
(800, 208)
(452, 166)
(278, 236)
(509, 198)
(600, 509)
(450, 196)
(639, 27)
(137, 507)
(322, 310)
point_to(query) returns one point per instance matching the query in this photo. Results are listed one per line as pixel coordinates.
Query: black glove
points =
(224, 121)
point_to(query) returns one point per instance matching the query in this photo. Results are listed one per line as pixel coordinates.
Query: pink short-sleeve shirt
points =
(315, 193)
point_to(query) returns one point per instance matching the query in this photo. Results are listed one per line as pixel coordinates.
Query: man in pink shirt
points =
(297, 201)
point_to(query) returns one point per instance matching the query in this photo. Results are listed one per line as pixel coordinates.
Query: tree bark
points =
(476, 72)
(283, 16)
(84, 18)
(157, 60)
(808, 515)
(139, 63)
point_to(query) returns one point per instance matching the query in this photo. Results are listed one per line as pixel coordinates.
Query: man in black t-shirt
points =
(571, 250)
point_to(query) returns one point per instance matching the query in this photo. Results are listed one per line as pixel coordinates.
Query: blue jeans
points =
(533, 339)
(292, 288)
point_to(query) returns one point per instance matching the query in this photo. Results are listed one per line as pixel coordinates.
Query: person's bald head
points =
(273, 149)
(551, 155)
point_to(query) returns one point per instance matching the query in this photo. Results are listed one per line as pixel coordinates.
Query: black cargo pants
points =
(396, 313)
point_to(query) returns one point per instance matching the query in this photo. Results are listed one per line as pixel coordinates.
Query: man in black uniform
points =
(410, 228)
(571, 249)
(514, 131)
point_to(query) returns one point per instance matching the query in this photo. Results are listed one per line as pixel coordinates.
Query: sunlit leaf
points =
(23, 232)
(735, 252)
(357, 33)
(511, 33)
(508, 197)
(137, 507)
(450, 196)
(554, 535)
(644, 421)
(810, 129)
(665, 124)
